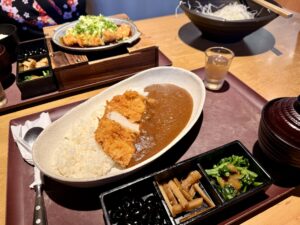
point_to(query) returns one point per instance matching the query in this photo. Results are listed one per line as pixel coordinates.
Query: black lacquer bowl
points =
(221, 30)
(10, 41)
(279, 131)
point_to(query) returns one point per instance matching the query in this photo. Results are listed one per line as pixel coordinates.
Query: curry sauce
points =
(168, 110)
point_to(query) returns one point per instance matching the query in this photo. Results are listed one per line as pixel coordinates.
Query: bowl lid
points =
(282, 117)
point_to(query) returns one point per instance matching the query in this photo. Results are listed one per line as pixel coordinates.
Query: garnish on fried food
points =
(91, 31)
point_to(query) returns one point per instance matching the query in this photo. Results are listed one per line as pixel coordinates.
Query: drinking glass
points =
(217, 63)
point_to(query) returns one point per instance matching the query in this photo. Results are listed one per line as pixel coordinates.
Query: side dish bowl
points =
(219, 29)
(43, 149)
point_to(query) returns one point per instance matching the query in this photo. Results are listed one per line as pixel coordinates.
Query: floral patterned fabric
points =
(29, 14)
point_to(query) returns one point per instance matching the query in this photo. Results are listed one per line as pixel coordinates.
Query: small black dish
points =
(36, 58)
(28, 49)
(134, 203)
(116, 200)
(34, 87)
(211, 158)
(181, 171)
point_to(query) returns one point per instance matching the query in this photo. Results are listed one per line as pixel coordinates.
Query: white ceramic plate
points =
(49, 139)
(62, 30)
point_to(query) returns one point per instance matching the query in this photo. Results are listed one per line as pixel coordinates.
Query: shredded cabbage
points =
(232, 11)
(92, 25)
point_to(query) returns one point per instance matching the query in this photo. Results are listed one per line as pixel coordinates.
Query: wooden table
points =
(272, 73)
(286, 212)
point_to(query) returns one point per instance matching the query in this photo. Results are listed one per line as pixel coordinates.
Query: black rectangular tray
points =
(217, 126)
(122, 200)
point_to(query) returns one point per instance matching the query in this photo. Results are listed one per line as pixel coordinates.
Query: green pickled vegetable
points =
(33, 76)
(231, 176)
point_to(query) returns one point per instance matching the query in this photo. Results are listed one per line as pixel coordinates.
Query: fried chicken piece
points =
(131, 104)
(82, 40)
(116, 141)
(109, 36)
(69, 39)
(123, 31)
(89, 41)
(85, 40)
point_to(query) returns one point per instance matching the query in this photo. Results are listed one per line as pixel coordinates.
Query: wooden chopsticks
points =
(274, 8)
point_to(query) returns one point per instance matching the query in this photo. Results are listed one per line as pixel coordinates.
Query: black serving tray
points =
(148, 185)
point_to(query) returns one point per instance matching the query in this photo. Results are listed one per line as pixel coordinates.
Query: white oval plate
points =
(62, 30)
(49, 139)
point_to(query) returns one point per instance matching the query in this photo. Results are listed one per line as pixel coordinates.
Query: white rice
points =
(79, 155)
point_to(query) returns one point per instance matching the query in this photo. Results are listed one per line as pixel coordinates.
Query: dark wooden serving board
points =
(75, 69)
(232, 113)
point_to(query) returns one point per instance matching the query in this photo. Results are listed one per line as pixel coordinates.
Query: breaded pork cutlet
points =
(116, 139)
(131, 104)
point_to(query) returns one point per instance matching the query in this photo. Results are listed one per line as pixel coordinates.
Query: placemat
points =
(232, 113)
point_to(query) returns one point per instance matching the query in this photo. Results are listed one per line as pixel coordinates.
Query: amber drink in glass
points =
(217, 63)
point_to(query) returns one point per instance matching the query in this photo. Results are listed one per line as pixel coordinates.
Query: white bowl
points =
(49, 139)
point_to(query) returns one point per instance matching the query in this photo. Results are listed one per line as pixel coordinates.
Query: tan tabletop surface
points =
(286, 212)
(273, 73)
